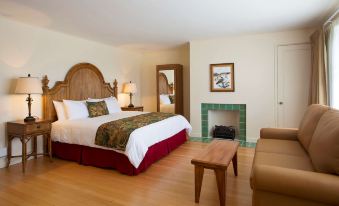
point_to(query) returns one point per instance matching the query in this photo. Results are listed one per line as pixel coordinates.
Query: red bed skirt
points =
(110, 159)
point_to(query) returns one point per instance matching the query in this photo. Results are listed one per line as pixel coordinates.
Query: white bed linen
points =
(83, 132)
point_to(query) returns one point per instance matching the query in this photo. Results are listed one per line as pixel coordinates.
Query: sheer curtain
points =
(332, 49)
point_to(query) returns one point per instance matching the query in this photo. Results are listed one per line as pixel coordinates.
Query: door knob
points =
(281, 103)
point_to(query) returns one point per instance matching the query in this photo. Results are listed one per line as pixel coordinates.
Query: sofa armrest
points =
(279, 133)
(320, 187)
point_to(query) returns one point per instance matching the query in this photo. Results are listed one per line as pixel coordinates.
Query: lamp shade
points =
(130, 88)
(28, 85)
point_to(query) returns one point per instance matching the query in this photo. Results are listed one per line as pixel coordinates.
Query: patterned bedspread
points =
(115, 134)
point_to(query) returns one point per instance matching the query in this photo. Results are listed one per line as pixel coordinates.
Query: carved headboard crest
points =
(83, 81)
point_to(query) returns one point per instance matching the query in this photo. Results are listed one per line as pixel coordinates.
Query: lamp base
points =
(29, 119)
(131, 105)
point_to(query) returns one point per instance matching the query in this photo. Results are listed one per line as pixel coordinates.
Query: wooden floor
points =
(169, 181)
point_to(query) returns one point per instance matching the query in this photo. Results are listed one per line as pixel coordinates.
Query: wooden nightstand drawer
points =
(38, 127)
(137, 108)
(21, 127)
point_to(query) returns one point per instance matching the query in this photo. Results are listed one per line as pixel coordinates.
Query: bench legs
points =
(235, 164)
(220, 175)
(221, 182)
(199, 174)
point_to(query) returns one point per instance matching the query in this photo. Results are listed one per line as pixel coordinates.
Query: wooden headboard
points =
(83, 81)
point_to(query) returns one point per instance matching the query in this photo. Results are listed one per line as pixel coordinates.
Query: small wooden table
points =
(217, 156)
(26, 131)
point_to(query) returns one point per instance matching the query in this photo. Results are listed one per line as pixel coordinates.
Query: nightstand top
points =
(37, 121)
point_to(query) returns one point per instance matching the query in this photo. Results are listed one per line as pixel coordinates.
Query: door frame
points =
(276, 83)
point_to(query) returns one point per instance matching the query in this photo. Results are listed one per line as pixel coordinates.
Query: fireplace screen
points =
(225, 132)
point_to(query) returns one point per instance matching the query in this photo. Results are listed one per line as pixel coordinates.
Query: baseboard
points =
(248, 139)
(195, 134)
(3, 152)
(15, 160)
(251, 139)
(2, 162)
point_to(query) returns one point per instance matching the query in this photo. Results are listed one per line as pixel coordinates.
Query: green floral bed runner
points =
(115, 134)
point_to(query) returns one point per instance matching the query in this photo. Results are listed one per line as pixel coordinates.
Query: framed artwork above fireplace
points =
(222, 77)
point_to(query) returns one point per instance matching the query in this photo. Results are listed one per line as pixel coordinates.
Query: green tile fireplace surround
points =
(205, 107)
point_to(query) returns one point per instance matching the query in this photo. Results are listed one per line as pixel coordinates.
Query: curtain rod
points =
(329, 20)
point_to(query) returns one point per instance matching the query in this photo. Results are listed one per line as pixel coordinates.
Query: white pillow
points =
(164, 99)
(111, 102)
(76, 109)
(60, 110)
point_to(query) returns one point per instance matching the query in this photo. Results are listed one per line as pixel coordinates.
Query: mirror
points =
(169, 88)
(166, 91)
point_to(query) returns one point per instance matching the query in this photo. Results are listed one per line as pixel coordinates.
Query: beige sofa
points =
(299, 166)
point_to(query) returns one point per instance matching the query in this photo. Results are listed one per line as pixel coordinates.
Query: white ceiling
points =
(146, 24)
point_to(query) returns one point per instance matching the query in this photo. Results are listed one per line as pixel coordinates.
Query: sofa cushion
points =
(288, 147)
(283, 160)
(309, 123)
(324, 147)
(279, 133)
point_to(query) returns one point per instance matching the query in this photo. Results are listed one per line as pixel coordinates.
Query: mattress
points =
(83, 132)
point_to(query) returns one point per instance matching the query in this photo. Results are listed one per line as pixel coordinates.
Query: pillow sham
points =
(76, 109)
(164, 99)
(60, 110)
(111, 103)
(96, 109)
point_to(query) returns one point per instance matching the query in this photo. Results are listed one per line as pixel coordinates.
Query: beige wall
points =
(178, 55)
(254, 59)
(25, 49)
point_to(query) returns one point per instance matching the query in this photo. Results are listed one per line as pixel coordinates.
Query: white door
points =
(294, 73)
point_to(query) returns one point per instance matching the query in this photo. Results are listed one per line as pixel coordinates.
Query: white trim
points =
(14, 160)
(195, 134)
(276, 86)
(252, 139)
(3, 163)
(329, 20)
(3, 152)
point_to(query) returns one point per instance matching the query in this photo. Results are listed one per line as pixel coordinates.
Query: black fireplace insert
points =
(225, 132)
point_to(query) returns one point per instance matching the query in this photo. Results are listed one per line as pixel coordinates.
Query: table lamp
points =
(130, 88)
(28, 85)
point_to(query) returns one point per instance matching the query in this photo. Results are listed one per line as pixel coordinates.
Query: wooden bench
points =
(217, 156)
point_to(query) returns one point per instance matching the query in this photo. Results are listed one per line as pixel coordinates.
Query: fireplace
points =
(228, 118)
(223, 114)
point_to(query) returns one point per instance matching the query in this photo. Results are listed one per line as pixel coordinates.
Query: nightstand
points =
(139, 108)
(26, 131)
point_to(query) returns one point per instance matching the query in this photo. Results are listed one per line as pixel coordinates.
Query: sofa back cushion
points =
(309, 123)
(324, 147)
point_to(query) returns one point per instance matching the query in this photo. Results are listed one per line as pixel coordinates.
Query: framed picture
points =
(222, 77)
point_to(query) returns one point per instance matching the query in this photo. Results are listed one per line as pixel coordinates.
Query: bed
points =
(74, 139)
